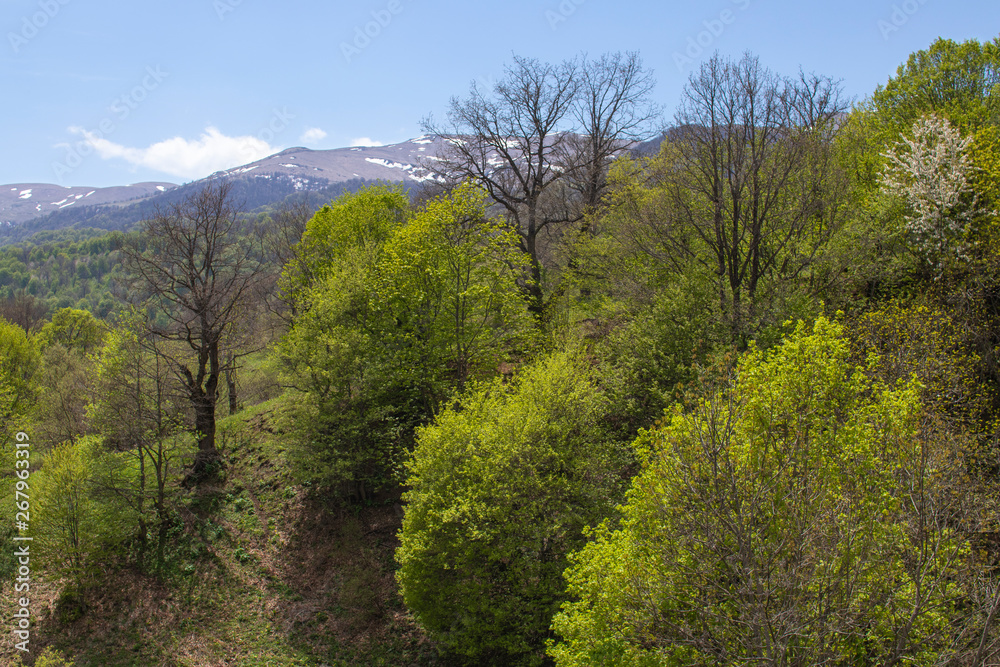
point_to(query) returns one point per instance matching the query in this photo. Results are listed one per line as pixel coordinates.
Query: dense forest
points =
(731, 402)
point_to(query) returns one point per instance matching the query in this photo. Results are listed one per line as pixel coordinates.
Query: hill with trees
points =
(729, 401)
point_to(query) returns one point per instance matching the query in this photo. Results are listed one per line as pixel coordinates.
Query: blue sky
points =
(107, 93)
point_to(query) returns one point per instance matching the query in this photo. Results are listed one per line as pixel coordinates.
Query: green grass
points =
(260, 572)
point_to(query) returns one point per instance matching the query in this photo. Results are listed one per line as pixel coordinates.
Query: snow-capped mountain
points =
(20, 202)
(309, 168)
(35, 206)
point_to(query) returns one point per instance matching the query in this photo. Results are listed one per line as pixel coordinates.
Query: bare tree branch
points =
(196, 267)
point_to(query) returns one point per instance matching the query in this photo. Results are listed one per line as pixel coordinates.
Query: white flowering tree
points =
(931, 171)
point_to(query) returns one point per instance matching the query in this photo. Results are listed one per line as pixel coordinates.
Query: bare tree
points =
(541, 140)
(613, 113)
(195, 265)
(24, 310)
(510, 143)
(288, 223)
(750, 180)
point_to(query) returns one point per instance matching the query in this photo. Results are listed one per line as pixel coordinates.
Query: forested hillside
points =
(732, 401)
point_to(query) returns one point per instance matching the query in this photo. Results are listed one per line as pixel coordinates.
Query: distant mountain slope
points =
(313, 175)
(254, 192)
(397, 162)
(20, 202)
(317, 175)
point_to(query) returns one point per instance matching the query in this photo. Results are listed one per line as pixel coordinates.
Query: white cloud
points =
(312, 135)
(365, 141)
(189, 159)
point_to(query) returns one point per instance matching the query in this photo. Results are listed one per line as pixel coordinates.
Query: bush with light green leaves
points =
(501, 486)
(801, 516)
(404, 308)
(75, 526)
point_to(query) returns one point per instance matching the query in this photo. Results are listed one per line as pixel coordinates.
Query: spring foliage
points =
(75, 526)
(501, 488)
(786, 520)
(399, 308)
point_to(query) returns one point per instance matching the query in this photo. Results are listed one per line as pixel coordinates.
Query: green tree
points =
(136, 409)
(956, 80)
(501, 486)
(869, 255)
(394, 314)
(349, 232)
(802, 516)
(984, 154)
(18, 364)
(75, 530)
(63, 376)
(657, 349)
(447, 281)
(351, 427)
(63, 388)
(872, 254)
(900, 341)
(74, 329)
(746, 189)
(18, 367)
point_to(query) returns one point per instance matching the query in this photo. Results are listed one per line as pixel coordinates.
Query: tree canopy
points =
(800, 517)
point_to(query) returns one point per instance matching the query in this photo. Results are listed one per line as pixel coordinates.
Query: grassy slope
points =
(262, 574)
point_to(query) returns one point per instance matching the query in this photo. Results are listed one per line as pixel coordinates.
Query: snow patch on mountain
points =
(26, 201)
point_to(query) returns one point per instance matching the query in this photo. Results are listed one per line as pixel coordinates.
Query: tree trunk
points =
(536, 300)
(206, 461)
(231, 386)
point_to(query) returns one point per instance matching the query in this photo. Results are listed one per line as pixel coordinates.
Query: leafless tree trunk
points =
(231, 390)
(195, 266)
(612, 114)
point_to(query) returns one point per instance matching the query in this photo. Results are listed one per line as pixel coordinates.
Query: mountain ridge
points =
(298, 173)
(32, 207)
